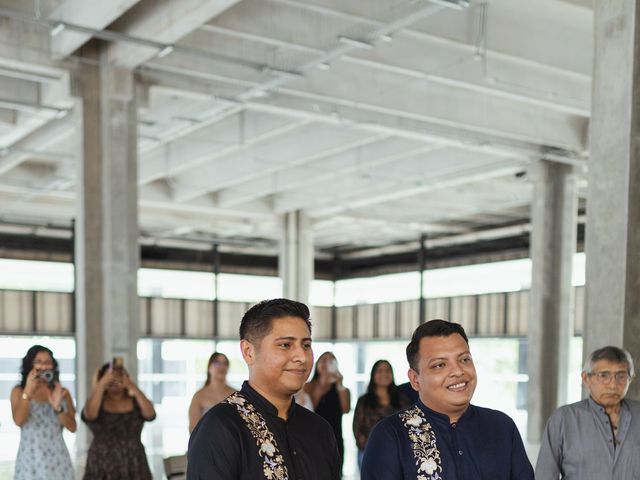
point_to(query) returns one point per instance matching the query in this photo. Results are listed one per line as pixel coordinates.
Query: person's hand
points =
(55, 396)
(106, 379)
(127, 383)
(33, 382)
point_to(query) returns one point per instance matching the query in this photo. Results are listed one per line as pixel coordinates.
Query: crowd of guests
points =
(426, 429)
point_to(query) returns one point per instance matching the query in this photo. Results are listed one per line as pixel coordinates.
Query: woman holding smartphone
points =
(331, 399)
(115, 413)
(41, 407)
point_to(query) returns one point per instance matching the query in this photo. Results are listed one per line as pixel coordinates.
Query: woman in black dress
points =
(331, 399)
(115, 412)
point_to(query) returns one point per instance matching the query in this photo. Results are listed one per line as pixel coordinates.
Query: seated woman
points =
(41, 407)
(214, 390)
(115, 412)
(381, 400)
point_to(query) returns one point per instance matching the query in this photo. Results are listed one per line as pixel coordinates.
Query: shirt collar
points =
(261, 403)
(441, 418)
(596, 407)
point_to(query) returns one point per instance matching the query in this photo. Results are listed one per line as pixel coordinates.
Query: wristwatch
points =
(25, 396)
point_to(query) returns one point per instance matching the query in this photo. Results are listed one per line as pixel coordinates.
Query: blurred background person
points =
(115, 413)
(215, 389)
(303, 398)
(330, 398)
(41, 407)
(381, 400)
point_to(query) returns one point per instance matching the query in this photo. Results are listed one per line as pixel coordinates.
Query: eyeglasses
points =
(606, 376)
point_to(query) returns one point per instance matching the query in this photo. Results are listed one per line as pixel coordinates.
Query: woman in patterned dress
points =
(115, 412)
(41, 407)
(381, 400)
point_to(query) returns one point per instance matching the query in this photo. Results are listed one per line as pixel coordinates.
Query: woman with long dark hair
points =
(115, 413)
(214, 390)
(330, 398)
(41, 407)
(381, 400)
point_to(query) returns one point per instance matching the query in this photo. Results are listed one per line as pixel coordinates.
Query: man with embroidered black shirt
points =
(260, 432)
(443, 436)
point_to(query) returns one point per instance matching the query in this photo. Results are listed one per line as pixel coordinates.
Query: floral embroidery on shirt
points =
(273, 465)
(423, 444)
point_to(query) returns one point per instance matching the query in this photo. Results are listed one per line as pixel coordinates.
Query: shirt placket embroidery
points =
(423, 444)
(273, 465)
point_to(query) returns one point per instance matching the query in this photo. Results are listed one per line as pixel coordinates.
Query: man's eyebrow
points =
(293, 339)
(466, 352)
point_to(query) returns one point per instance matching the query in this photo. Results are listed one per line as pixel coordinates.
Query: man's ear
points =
(414, 379)
(248, 351)
(584, 376)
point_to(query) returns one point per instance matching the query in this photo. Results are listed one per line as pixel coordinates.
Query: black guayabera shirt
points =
(224, 447)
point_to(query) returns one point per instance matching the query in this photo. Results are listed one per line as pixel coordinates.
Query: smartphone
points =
(117, 362)
(332, 366)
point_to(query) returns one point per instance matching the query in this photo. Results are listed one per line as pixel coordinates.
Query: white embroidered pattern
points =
(273, 465)
(423, 444)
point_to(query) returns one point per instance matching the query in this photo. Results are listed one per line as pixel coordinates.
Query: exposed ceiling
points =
(383, 120)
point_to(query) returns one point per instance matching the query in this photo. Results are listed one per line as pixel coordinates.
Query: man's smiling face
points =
(446, 378)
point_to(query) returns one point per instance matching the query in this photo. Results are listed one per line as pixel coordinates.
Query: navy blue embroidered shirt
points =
(483, 445)
(222, 447)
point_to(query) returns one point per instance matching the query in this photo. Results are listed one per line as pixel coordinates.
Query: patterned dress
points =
(42, 454)
(116, 452)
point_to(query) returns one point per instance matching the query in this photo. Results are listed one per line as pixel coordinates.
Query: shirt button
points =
(295, 453)
(459, 452)
(453, 425)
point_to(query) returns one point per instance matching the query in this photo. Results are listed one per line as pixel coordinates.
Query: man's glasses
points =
(605, 377)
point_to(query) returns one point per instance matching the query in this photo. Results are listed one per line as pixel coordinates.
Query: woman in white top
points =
(214, 391)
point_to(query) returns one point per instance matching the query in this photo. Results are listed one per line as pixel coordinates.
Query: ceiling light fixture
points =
(386, 38)
(355, 43)
(324, 66)
(57, 29)
(166, 51)
(457, 4)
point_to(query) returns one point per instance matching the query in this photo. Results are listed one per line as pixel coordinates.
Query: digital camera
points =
(49, 376)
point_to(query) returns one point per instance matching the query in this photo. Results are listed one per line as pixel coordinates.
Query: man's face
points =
(281, 363)
(607, 393)
(446, 378)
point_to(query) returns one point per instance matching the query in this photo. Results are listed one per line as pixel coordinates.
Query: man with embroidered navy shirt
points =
(260, 432)
(443, 436)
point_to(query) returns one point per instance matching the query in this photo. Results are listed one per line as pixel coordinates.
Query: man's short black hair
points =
(256, 323)
(432, 328)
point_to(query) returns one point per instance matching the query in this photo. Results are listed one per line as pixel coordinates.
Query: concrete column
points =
(553, 243)
(107, 224)
(612, 305)
(295, 262)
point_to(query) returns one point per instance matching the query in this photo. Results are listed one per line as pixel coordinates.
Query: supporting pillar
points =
(553, 244)
(612, 304)
(106, 244)
(295, 262)
(422, 267)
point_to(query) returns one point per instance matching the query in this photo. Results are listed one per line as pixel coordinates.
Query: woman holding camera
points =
(330, 397)
(41, 407)
(115, 413)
